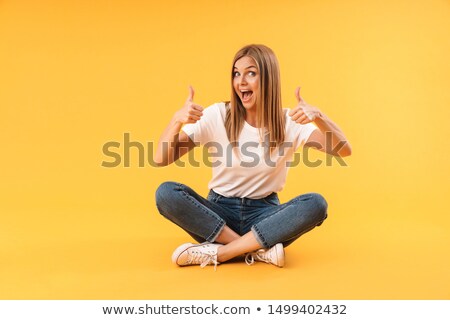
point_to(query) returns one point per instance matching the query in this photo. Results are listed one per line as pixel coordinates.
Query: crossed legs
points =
(234, 244)
(205, 220)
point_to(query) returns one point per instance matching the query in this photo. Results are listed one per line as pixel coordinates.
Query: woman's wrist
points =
(319, 115)
(176, 122)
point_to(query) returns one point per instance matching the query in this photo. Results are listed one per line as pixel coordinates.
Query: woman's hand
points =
(327, 137)
(174, 143)
(191, 112)
(303, 113)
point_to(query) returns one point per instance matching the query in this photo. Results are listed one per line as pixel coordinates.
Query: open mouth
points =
(246, 96)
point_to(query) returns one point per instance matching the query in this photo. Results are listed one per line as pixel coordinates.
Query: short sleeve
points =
(298, 133)
(202, 131)
(305, 132)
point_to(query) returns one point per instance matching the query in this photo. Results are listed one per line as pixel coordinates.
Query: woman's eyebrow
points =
(247, 67)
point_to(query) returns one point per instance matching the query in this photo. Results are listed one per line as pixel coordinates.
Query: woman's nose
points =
(242, 80)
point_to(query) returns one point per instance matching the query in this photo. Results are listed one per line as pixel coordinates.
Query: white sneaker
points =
(202, 254)
(273, 255)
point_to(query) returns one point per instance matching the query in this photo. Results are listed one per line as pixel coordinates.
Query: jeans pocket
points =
(271, 199)
(213, 197)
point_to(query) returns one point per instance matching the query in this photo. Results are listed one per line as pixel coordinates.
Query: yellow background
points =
(77, 74)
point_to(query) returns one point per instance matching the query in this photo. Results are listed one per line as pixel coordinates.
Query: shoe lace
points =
(259, 255)
(203, 259)
(249, 259)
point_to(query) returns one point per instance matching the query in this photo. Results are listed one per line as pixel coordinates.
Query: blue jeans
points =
(270, 221)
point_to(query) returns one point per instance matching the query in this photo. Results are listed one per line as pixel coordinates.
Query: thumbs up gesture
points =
(191, 112)
(303, 113)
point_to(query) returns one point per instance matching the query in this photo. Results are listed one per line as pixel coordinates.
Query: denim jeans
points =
(270, 221)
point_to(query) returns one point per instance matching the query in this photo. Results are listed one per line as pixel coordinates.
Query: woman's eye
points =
(235, 74)
(252, 73)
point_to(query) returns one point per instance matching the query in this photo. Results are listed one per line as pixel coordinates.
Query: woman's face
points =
(246, 81)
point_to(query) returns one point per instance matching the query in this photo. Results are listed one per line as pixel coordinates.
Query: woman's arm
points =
(329, 138)
(173, 144)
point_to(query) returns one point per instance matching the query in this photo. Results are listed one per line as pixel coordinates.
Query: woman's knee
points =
(320, 206)
(167, 197)
(320, 201)
(316, 206)
(164, 191)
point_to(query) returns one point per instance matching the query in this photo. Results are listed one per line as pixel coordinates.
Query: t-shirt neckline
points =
(250, 127)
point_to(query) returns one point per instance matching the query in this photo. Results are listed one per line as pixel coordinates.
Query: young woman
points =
(251, 140)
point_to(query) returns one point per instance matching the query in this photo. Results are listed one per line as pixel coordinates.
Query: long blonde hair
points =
(269, 111)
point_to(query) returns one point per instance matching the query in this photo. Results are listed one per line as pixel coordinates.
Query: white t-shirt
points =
(253, 174)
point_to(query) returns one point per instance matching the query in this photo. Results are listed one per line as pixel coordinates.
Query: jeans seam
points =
(259, 237)
(217, 230)
(220, 223)
(271, 196)
(241, 223)
(267, 202)
(215, 196)
(297, 199)
(262, 240)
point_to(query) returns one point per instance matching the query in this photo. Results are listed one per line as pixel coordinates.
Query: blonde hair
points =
(269, 111)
